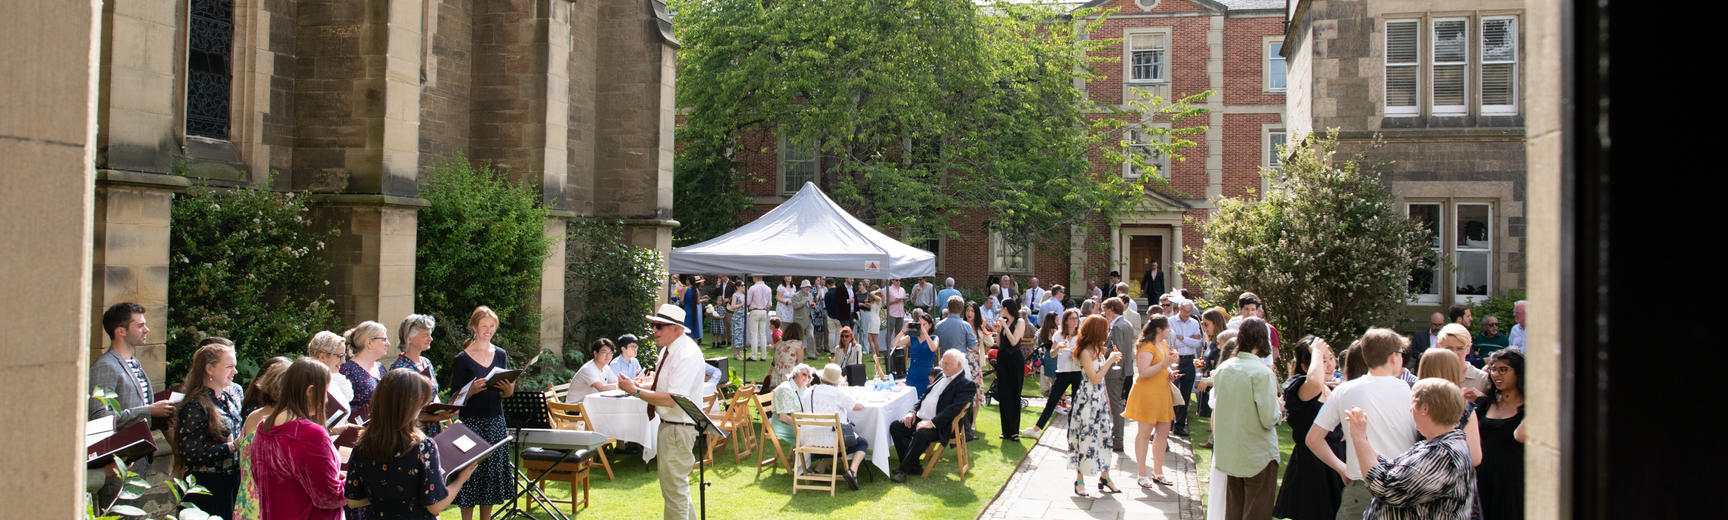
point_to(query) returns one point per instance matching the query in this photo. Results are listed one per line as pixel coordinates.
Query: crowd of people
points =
(1377, 435)
(1387, 428)
(270, 450)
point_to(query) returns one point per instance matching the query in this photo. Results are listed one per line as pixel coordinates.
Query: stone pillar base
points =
(372, 260)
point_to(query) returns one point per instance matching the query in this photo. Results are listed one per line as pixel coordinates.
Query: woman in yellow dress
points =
(1149, 403)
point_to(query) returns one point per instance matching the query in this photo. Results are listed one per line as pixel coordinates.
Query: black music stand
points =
(528, 410)
(703, 428)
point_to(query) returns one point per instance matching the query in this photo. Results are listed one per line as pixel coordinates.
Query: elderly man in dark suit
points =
(930, 419)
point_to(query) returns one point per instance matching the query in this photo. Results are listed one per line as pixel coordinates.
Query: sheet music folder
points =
(452, 457)
(703, 425)
(129, 443)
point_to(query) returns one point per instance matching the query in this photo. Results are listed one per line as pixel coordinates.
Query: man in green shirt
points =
(1245, 425)
(1490, 339)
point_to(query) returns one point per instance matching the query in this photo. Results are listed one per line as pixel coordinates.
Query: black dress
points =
(1500, 477)
(1311, 489)
(1010, 373)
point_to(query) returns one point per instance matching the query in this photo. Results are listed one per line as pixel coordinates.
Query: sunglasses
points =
(658, 326)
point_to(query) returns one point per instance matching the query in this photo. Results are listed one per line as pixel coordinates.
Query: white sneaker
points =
(1029, 431)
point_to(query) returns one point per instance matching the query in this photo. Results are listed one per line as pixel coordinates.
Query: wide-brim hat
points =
(805, 283)
(669, 314)
(832, 374)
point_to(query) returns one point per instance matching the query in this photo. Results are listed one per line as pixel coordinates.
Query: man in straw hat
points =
(679, 372)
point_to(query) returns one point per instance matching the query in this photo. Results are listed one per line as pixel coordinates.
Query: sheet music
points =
(462, 395)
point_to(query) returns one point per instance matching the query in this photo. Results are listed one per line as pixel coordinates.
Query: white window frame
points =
(1162, 162)
(1438, 246)
(1270, 56)
(1512, 93)
(1434, 63)
(1455, 244)
(999, 247)
(1388, 65)
(781, 165)
(1272, 158)
(1162, 38)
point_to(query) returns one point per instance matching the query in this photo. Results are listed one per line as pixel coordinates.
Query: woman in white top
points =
(596, 375)
(327, 347)
(1067, 381)
(827, 398)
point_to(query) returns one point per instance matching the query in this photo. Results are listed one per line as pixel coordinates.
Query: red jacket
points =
(298, 472)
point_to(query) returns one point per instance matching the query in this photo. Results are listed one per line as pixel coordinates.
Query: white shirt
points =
(680, 373)
(824, 398)
(1033, 297)
(927, 412)
(583, 383)
(342, 388)
(1064, 346)
(1180, 330)
(1386, 401)
(1516, 339)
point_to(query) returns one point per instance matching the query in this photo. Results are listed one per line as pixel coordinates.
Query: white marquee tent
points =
(808, 235)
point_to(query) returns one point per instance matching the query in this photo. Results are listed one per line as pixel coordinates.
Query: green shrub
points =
(550, 369)
(245, 264)
(481, 242)
(616, 284)
(1498, 305)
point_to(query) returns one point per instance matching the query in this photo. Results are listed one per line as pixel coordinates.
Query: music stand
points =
(527, 410)
(703, 428)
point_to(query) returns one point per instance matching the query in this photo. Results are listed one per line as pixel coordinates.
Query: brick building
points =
(1439, 81)
(1170, 48)
(354, 101)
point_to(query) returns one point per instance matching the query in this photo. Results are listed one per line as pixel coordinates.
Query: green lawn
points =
(737, 491)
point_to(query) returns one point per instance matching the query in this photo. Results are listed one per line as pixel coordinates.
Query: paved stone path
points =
(1043, 486)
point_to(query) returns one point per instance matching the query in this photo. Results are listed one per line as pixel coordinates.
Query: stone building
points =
(1439, 82)
(1170, 48)
(354, 101)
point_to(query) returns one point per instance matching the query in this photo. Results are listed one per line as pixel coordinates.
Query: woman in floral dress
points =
(1089, 417)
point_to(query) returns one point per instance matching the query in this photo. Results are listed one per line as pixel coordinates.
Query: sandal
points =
(1080, 489)
(1104, 486)
(1161, 479)
(1144, 482)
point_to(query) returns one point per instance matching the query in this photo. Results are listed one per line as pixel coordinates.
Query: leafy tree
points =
(917, 109)
(246, 264)
(615, 283)
(1326, 249)
(481, 242)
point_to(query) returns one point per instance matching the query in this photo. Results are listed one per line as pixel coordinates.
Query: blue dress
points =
(693, 312)
(919, 361)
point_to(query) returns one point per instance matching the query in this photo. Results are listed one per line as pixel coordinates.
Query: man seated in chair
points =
(932, 420)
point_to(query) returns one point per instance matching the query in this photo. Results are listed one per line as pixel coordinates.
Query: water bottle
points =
(1337, 374)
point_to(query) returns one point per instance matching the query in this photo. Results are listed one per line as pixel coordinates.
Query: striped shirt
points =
(1432, 480)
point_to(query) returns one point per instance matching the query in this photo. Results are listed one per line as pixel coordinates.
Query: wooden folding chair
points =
(817, 434)
(735, 421)
(557, 392)
(765, 408)
(575, 417)
(961, 455)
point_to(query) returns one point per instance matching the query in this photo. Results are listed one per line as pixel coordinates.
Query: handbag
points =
(1176, 397)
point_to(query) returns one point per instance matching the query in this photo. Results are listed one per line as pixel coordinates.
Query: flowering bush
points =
(246, 264)
(481, 240)
(1326, 249)
(615, 284)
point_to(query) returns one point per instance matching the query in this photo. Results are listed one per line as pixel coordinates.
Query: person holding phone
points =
(483, 412)
(921, 350)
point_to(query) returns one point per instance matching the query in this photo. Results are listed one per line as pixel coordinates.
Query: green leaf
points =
(126, 510)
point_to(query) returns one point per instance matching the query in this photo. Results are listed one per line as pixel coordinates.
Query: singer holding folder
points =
(483, 412)
(394, 471)
(679, 372)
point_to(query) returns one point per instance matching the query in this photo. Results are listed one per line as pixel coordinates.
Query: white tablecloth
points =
(625, 418)
(880, 409)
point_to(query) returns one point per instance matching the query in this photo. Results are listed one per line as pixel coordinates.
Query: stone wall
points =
(48, 136)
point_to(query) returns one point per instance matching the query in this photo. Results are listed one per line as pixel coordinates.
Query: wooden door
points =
(1142, 250)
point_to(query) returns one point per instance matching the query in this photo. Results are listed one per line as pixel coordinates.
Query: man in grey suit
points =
(1121, 375)
(120, 372)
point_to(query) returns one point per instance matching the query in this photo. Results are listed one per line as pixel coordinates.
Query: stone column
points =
(1546, 266)
(633, 157)
(358, 119)
(130, 258)
(47, 134)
